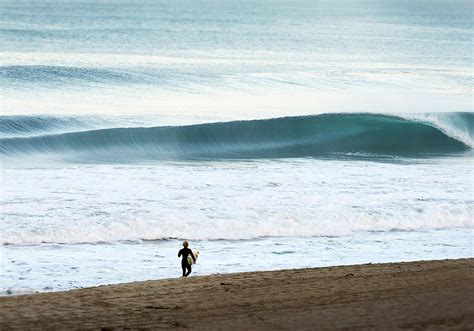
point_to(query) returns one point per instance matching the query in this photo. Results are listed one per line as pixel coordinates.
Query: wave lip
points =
(288, 137)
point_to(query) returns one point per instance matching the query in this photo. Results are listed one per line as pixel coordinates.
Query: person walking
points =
(184, 253)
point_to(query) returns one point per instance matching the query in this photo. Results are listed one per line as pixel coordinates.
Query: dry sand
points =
(414, 295)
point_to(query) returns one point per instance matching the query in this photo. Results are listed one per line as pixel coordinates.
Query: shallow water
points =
(54, 267)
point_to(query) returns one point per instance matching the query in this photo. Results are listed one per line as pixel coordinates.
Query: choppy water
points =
(271, 134)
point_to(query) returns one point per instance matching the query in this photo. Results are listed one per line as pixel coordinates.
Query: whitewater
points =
(271, 135)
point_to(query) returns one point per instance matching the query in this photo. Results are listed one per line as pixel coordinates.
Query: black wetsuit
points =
(184, 262)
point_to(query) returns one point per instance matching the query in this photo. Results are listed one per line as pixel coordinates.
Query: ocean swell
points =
(288, 137)
(61, 75)
(11, 126)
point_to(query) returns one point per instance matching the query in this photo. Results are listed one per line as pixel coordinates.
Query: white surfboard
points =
(190, 258)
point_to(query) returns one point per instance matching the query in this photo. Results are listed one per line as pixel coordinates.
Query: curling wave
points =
(305, 136)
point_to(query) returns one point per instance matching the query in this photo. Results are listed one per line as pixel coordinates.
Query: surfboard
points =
(190, 258)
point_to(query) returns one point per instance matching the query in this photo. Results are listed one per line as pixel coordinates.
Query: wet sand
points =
(413, 295)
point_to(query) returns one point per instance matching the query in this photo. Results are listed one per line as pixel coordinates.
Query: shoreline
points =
(421, 294)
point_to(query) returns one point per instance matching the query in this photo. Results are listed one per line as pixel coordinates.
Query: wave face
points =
(289, 137)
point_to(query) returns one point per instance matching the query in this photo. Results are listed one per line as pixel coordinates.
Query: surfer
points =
(184, 252)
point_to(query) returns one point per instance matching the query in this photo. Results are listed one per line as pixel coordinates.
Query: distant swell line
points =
(29, 125)
(304, 136)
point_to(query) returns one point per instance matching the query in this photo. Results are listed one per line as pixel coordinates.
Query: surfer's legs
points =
(186, 268)
(183, 266)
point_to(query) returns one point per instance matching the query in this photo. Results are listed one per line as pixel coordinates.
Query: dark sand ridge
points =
(414, 295)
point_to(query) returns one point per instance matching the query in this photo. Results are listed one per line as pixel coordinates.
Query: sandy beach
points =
(413, 295)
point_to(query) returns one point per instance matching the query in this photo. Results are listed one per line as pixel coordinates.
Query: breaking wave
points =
(287, 137)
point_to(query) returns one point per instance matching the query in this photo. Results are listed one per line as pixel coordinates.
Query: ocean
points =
(270, 134)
